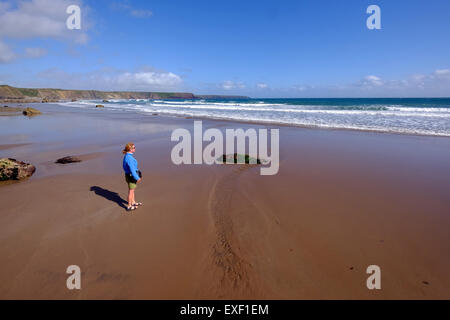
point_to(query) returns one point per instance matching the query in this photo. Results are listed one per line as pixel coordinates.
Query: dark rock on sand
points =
(99, 106)
(104, 100)
(5, 106)
(68, 159)
(30, 112)
(11, 169)
(239, 158)
(73, 100)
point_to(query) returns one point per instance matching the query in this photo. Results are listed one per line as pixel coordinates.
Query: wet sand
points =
(12, 145)
(342, 201)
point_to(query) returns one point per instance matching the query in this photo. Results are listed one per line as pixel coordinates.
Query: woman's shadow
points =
(112, 196)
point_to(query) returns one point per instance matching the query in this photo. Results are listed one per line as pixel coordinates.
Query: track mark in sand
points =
(235, 271)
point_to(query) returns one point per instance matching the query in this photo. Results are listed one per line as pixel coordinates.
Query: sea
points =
(423, 116)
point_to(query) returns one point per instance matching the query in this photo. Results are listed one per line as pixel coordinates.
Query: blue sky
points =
(307, 48)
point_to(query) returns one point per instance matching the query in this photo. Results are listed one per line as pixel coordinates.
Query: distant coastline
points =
(29, 95)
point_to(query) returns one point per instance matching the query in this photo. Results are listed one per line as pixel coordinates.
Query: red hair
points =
(128, 147)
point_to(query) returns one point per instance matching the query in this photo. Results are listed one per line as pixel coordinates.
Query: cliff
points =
(12, 94)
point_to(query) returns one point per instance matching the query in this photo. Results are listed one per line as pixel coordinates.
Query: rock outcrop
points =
(27, 95)
(11, 169)
(99, 106)
(68, 159)
(19, 109)
(31, 111)
(239, 158)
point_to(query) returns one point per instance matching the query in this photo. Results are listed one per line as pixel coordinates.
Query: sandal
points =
(137, 204)
(131, 208)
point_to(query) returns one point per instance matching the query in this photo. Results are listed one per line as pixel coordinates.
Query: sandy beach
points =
(341, 201)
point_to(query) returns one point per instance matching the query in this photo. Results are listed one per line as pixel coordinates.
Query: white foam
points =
(382, 118)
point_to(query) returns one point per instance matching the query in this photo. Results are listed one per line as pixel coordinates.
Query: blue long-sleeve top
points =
(130, 165)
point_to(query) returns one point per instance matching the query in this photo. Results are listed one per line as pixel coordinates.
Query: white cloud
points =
(229, 85)
(262, 85)
(35, 52)
(4, 6)
(145, 79)
(433, 84)
(302, 87)
(38, 19)
(436, 83)
(6, 54)
(138, 13)
(370, 81)
(142, 80)
(437, 80)
(141, 13)
(442, 73)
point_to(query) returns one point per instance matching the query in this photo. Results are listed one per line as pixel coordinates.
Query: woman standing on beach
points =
(132, 177)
